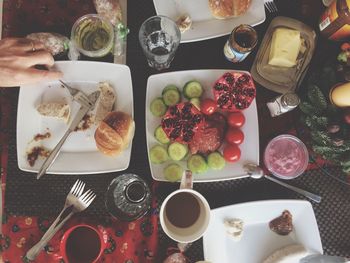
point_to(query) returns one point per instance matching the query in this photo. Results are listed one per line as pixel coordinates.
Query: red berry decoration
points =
(182, 121)
(234, 91)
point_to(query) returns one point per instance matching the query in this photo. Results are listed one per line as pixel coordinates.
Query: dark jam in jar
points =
(241, 42)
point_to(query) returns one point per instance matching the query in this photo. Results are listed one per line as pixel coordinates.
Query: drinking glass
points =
(159, 37)
(128, 197)
(92, 36)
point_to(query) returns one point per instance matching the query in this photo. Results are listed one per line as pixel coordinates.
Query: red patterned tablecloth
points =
(133, 242)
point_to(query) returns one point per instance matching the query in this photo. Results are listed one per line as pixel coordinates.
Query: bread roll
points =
(223, 9)
(114, 133)
(59, 110)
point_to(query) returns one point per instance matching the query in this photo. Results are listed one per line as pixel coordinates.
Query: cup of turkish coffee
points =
(185, 213)
(82, 244)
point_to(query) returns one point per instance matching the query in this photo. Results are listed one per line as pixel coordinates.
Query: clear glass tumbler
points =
(92, 36)
(159, 37)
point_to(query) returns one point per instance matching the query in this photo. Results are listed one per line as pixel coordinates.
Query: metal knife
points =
(84, 108)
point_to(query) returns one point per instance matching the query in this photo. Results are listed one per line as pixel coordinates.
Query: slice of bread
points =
(59, 110)
(105, 102)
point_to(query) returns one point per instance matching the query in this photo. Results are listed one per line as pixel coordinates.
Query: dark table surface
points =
(27, 196)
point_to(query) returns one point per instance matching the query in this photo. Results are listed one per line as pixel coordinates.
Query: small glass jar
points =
(241, 42)
(128, 197)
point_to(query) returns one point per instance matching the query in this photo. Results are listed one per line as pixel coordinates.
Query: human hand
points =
(18, 58)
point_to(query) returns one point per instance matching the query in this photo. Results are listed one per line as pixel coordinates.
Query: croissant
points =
(223, 9)
(114, 133)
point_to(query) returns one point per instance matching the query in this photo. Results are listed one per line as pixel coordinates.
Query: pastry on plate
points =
(223, 9)
(114, 133)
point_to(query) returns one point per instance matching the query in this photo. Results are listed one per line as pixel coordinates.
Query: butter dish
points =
(283, 79)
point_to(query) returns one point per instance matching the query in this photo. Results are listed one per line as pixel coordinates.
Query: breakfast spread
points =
(224, 9)
(59, 110)
(114, 133)
(283, 224)
(234, 228)
(204, 133)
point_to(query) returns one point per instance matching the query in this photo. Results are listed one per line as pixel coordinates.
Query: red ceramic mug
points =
(82, 244)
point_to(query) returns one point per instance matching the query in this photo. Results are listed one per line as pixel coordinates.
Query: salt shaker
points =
(283, 104)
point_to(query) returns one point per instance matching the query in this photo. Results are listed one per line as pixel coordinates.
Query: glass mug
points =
(83, 244)
(159, 38)
(185, 213)
(92, 36)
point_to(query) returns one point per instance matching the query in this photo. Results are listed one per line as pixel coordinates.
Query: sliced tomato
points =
(234, 136)
(232, 153)
(208, 106)
(236, 119)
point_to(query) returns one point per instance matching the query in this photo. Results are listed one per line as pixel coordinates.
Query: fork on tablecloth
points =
(270, 6)
(76, 202)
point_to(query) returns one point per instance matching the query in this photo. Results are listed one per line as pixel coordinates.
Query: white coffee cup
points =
(198, 228)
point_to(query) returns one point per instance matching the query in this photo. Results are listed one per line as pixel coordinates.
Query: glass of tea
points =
(159, 38)
(185, 213)
(92, 36)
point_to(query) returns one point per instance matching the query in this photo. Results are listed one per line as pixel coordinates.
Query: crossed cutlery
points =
(76, 201)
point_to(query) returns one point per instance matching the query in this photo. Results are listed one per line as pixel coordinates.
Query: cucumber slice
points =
(169, 87)
(158, 107)
(193, 89)
(158, 154)
(177, 151)
(160, 135)
(216, 161)
(196, 163)
(171, 97)
(196, 102)
(173, 172)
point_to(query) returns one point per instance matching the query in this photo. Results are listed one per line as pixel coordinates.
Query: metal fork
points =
(270, 6)
(74, 204)
(77, 95)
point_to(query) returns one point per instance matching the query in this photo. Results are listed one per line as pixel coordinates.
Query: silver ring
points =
(33, 46)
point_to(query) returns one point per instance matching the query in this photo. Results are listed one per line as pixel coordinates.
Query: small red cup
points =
(82, 244)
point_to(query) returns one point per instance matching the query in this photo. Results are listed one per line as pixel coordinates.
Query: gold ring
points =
(33, 46)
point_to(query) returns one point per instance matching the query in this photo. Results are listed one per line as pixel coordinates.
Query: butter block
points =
(285, 47)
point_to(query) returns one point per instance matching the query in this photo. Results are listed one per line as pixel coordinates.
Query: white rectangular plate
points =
(258, 241)
(204, 25)
(249, 148)
(79, 154)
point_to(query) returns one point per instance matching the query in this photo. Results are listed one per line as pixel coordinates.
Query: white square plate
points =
(249, 147)
(204, 25)
(258, 241)
(79, 154)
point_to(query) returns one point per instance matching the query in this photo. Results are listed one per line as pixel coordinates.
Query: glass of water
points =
(159, 37)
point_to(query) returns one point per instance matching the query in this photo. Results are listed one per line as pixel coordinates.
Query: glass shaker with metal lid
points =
(128, 197)
(283, 104)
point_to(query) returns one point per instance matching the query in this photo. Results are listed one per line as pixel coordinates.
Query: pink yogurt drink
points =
(286, 156)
